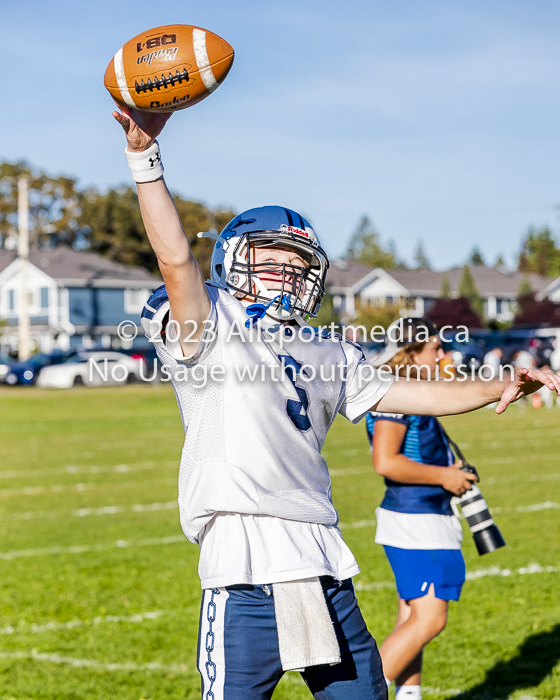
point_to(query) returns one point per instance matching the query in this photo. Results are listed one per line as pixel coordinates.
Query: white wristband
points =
(145, 166)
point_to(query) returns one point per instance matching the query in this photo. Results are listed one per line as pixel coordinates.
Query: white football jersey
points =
(256, 404)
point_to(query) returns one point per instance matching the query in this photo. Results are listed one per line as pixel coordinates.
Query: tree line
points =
(109, 222)
(106, 222)
(539, 252)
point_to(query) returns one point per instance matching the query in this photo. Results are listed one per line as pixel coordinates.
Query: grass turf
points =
(99, 590)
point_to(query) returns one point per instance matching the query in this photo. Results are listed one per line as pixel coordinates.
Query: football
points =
(168, 68)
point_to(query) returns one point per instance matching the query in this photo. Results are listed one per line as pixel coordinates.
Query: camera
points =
(487, 537)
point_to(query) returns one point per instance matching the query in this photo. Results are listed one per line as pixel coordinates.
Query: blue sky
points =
(437, 119)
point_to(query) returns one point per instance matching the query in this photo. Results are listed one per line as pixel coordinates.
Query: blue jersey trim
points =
(425, 443)
(154, 303)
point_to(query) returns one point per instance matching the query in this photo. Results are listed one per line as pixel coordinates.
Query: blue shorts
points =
(239, 658)
(416, 569)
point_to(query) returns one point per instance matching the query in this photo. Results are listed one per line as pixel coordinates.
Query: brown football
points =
(168, 68)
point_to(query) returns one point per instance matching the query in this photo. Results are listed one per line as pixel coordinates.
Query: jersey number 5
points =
(297, 410)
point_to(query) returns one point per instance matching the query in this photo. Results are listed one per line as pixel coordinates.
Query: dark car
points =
(25, 372)
(514, 340)
(6, 363)
(464, 352)
(147, 353)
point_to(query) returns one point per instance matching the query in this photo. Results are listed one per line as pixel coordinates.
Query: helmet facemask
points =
(284, 291)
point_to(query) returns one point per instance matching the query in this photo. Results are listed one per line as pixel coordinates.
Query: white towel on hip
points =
(306, 634)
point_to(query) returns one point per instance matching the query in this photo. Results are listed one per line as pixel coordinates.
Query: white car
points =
(91, 368)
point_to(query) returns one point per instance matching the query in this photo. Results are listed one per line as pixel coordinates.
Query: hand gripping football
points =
(168, 68)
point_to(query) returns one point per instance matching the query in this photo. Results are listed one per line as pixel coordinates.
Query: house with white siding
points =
(75, 298)
(352, 284)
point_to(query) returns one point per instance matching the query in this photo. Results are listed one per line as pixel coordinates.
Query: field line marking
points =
(34, 628)
(496, 571)
(92, 663)
(84, 512)
(525, 477)
(81, 549)
(547, 505)
(472, 575)
(531, 508)
(375, 586)
(89, 486)
(349, 472)
(172, 505)
(357, 525)
(94, 469)
(442, 691)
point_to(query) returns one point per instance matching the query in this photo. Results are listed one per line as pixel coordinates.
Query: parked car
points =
(466, 352)
(27, 371)
(92, 368)
(149, 356)
(513, 341)
(6, 363)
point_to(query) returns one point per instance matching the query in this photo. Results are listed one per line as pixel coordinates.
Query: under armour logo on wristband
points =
(145, 166)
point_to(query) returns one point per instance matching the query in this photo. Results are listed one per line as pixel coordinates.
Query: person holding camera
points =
(415, 523)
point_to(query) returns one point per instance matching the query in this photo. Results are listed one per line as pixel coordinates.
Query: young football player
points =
(415, 523)
(257, 390)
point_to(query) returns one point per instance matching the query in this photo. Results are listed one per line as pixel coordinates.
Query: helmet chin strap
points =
(258, 311)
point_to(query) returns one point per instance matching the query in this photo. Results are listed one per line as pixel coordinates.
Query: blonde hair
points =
(402, 364)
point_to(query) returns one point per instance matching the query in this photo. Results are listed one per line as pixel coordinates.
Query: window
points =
(410, 304)
(44, 297)
(428, 304)
(12, 300)
(134, 300)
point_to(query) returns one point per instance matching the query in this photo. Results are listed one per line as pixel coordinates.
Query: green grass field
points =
(99, 589)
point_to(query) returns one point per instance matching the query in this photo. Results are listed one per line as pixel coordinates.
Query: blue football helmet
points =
(297, 290)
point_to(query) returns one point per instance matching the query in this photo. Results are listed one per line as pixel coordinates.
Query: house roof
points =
(343, 274)
(490, 281)
(80, 268)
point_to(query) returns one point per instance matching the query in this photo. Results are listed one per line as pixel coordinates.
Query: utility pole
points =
(23, 255)
(556, 208)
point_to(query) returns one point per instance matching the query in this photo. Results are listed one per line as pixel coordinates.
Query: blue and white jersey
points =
(256, 409)
(425, 443)
(417, 516)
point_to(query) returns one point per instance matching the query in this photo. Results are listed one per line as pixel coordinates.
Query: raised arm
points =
(444, 398)
(180, 270)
